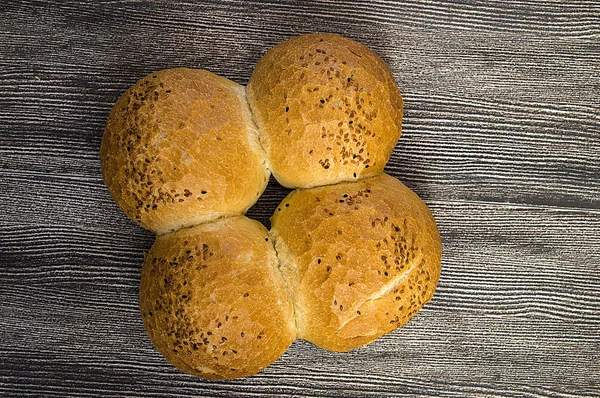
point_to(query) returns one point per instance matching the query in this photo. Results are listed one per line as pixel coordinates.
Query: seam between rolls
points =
(257, 129)
(288, 290)
(219, 217)
(341, 181)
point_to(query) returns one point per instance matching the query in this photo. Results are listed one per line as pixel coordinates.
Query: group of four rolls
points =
(352, 253)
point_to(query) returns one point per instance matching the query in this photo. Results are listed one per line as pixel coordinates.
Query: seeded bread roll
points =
(361, 258)
(213, 301)
(328, 110)
(180, 148)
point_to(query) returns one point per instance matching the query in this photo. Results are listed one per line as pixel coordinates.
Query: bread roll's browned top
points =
(180, 148)
(213, 301)
(328, 110)
(361, 258)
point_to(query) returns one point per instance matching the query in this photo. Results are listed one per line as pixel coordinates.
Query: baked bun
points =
(361, 258)
(180, 148)
(213, 301)
(328, 110)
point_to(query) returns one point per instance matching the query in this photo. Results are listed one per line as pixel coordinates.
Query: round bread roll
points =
(213, 301)
(361, 258)
(180, 148)
(328, 110)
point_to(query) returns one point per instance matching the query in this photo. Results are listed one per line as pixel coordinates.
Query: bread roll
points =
(328, 110)
(180, 148)
(213, 301)
(361, 258)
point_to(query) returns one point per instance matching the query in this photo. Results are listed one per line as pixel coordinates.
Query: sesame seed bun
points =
(213, 301)
(361, 258)
(328, 110)
(180, 148)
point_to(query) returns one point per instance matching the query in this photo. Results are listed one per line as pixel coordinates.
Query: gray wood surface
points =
(501, 138)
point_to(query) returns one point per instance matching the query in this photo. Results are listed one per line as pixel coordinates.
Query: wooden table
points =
(501, 138)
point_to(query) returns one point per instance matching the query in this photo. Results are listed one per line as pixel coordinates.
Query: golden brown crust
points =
(361, 258)
(180, 148)
(181, 156)
(328, 110)
(213, 302)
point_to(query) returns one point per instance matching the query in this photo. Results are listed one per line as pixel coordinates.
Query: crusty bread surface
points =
(213, 301)
(180, 148)
(361, 258)
(328, 110)
(352, 253)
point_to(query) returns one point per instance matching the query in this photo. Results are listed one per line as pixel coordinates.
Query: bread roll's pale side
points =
(361, 258)
(213, 301)
(328, 110)
(180, 148)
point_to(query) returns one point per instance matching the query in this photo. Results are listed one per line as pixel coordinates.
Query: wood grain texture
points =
(501, 137)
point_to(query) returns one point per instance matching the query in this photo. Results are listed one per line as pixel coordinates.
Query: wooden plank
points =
(516, 307)
(451, 148)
